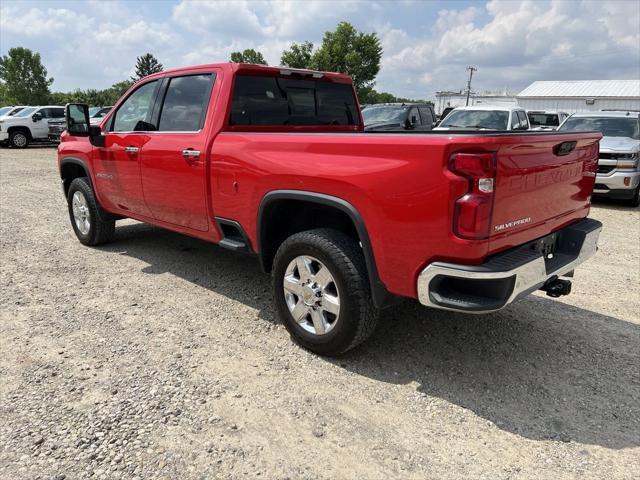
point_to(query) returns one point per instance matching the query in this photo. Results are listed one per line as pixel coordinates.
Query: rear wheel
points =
(322, 293)
(85, 217)
(19, 139)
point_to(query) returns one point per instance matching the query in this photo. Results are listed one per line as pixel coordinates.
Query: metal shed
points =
(581, 95)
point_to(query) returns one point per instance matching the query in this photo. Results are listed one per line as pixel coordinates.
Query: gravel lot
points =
(158, 356)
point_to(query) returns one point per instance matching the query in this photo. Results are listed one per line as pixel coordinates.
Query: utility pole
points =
(471, 70)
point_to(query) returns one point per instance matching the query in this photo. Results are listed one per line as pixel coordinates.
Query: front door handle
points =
(131, 149)
(191, 153)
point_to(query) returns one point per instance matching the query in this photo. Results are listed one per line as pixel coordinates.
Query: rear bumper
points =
(509, 275)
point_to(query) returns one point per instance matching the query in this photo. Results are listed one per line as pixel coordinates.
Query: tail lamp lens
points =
(473, 211)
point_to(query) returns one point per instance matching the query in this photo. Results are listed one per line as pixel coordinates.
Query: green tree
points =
(249, 55)
(23, 77)
(146, 65)
(298, 55)
(369, 96)
(349, 51)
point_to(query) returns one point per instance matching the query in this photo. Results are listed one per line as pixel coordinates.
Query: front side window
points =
(515, 121)
(185, 103)
(26, 112)
(414, 117)
(134, 113)
(259, 100)
(524, 125)
(427, 117)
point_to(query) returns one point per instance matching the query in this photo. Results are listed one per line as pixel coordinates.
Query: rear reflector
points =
(473, 211)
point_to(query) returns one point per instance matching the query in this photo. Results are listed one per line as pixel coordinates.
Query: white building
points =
(581, 95)
(458, 98)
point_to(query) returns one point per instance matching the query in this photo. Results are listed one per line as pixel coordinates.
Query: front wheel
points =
(635, 200)
(321, 291)
(19, 139)
(85, 217)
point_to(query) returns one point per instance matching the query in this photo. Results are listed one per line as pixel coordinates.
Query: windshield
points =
(491, 119)
(384, 115)
(544, 119)
(93, 111)
(5, 110)
(609, 126)
(26, 112)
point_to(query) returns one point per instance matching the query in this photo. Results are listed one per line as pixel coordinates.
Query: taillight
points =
(472, 211)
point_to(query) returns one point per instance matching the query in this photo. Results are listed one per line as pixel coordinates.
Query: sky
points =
(427, 44)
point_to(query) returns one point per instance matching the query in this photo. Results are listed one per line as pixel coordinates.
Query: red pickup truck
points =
(275, 162)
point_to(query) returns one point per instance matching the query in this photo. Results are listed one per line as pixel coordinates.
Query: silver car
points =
(618, 172)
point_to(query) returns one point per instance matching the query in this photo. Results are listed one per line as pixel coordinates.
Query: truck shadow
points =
(540, 369)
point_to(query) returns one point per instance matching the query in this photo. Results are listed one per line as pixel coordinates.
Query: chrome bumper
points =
(507, 276)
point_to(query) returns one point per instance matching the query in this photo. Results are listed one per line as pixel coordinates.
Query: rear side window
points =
(185, 103)
(284, 101)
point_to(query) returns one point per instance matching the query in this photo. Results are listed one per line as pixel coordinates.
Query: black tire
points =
(100, 230)
(635, 200)
(19, 139)
(343, 257)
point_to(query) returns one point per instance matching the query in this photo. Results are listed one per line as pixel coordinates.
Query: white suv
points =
(29, 124)
(485, 117)
(618, 170)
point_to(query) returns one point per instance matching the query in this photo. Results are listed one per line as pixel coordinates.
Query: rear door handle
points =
(189, 152)
(131, 149)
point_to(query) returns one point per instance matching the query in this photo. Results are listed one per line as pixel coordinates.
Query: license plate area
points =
(546, 246)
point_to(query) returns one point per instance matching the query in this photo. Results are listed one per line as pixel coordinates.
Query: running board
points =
(232, 244)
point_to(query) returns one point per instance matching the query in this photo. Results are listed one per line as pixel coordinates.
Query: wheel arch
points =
(72, 168)
(269, 237)
(20, 128)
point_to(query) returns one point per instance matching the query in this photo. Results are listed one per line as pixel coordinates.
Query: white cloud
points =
(94, 44)
(224, 18)
(522, 42)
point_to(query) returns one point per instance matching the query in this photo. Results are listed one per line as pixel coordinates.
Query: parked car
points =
(618, 171)
(274, 162)
(28, 125)
(485, 117)
(397, 117)
(546, 119)
(99, 114)
(10, 111)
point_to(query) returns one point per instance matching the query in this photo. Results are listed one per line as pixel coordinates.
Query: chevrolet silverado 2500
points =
(274, 162)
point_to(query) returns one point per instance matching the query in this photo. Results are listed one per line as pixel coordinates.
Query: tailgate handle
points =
(564, 148)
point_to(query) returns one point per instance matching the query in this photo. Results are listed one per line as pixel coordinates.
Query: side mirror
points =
(36, 117)
(78, 124)
(77, 115)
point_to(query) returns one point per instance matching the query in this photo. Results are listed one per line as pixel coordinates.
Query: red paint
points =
(400, 184)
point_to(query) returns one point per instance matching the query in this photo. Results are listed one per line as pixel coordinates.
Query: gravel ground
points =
(158, 356)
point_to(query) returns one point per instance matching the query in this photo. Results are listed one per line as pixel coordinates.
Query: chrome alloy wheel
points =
(311, 295)
(20, 140)
(81, 214)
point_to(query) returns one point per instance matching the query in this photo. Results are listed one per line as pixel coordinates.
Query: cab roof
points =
(255, 69)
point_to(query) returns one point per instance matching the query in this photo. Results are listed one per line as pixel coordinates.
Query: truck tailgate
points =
(543, 182)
